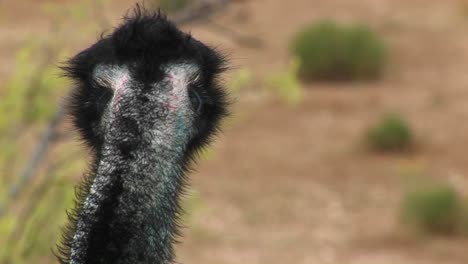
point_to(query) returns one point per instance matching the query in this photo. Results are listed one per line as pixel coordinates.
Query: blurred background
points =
(346, 143)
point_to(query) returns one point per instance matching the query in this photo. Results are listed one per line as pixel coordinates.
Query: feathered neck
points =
(130, 212)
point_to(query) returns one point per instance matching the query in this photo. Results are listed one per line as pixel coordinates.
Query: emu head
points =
(147, 78)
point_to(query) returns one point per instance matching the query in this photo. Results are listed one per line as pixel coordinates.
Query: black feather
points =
(143, 43)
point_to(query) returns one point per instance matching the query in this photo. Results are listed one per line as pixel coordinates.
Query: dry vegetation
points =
(287, 182)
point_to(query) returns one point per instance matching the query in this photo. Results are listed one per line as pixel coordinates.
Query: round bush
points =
(329, 51)
(437, 209)
(391, 134)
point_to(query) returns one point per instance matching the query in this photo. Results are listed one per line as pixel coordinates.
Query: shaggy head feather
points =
(146, 98)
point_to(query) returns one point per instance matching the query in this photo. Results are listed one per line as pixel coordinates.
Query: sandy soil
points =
(293, 185)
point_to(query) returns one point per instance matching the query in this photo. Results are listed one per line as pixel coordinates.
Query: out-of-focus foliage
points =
(28, 100)
(240, 80)
(171, 6)
(391, 134)
(34, 83)
(37, 229)
(435, 209)
(30, 223)
(287, 85)
(329, 51)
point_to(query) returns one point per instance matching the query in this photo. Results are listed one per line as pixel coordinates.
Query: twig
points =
(199, 11)
(204, 10)
(38, 196)
(37, 157)
(240, 38)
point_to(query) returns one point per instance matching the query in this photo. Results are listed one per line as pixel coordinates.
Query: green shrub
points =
(329, 51)
(391, 134)
(171, 6)
(437, 209)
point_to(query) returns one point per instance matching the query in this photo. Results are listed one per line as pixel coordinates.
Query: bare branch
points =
(199, 11)
(240, 38)
(38, 155)
(37, 196)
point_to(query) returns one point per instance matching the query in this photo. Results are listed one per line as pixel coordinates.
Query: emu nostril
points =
(145, 99)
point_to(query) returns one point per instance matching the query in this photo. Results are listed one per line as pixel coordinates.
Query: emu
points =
(146, 99)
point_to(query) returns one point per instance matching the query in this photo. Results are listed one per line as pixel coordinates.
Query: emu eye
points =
(103, 94)
(195, 100)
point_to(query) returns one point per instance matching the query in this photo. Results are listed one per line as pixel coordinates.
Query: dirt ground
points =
(294, 185)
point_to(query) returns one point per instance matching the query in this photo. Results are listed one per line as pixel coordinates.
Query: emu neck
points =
(130, 213)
